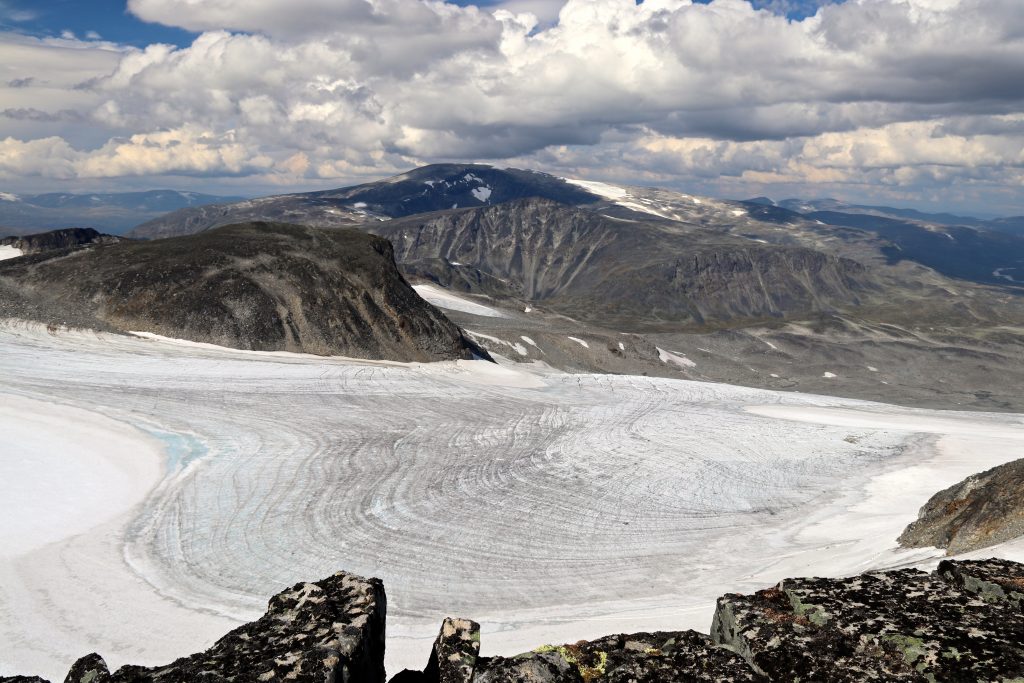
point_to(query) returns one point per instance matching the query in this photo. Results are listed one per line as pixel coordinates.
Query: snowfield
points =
(155, 494)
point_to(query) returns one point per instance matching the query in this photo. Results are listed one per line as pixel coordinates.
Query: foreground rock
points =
(963, 622)
(258, 286)
(331, 631)
(982, 510)
(904, 625)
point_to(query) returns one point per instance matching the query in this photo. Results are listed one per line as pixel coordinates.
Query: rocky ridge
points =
(256, 286)
(962, 622)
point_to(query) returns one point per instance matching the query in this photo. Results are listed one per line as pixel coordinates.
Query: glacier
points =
(155, 493)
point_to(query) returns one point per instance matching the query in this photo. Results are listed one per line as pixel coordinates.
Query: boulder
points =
(982, 510)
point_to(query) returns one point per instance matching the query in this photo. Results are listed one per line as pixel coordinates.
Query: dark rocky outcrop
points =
(904, 625)
(89, 669)
(258, 286)
(963, 622)
(982, 510)
(68, 238)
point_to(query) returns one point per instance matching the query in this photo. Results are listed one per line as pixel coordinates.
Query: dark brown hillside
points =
(259, 286)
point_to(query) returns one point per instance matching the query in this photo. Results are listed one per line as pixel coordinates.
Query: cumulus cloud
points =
(186, 151)
(906, 93)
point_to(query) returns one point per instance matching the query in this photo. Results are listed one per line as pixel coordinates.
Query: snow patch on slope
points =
(605, 190)
(517, 347)
(445, 299)
(679, 359)
(7, 251)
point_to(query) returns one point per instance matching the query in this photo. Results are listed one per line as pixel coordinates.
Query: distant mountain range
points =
(107, 212)
(595, 277)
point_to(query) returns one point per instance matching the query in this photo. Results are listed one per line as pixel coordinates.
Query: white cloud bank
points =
(884, 97)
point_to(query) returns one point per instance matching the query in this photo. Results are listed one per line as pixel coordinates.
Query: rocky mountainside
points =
(430, 188)
(112, 212)
(982, 510)
(259, 286)
(600, 268)
(67, 238)
(963, 622)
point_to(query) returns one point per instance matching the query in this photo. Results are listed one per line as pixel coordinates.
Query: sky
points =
(901, 102)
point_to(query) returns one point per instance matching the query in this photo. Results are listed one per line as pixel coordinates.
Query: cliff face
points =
(963, 622)
(602, 269)
(257, 286)
(982, 510)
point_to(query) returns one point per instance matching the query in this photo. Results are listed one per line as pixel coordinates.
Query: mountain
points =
(635, 272)
(110, 212)
(430, 188)
(962, 252)
(259, 286)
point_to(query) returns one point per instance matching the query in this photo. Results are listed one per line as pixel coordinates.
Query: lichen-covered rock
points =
(544, 666)
(453, 659)
(89, 669)
(982, 510)
(22, 679)
(663, 657)
(898, 626)
(331, 631)
(993, 580)
(685, 656)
